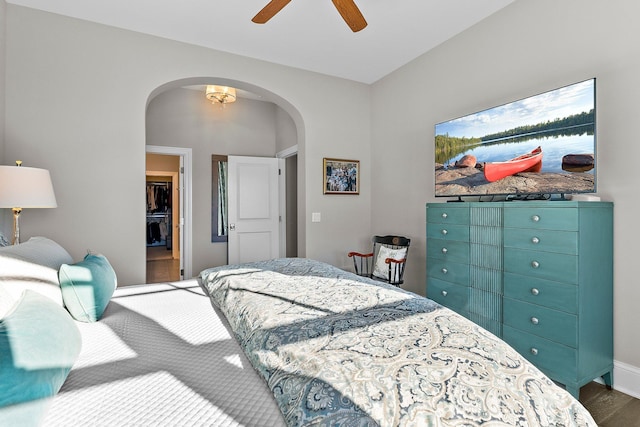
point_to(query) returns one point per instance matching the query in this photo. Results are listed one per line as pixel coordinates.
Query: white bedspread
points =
(162, 356)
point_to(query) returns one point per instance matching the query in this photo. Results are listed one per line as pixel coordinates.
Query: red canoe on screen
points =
(530, 162)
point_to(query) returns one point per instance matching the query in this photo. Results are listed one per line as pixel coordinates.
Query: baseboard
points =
(626, 379)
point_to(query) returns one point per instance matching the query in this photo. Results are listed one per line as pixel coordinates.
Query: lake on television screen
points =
(554, 148)
(561, 122)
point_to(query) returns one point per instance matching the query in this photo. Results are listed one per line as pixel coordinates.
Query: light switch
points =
(315, 217)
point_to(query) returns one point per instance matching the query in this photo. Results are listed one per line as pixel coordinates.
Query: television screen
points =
(536, 147)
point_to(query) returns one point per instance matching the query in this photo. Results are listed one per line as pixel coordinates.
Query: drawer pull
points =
(535, 218)
(535, 264)
(444, 215)
(445, 250)
(535, 320)
(444, 293)
(535, 291)
(535, 240)
(534, 351)
(444, 232)
(445, 271)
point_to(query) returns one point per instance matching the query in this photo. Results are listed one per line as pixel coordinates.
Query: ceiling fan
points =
(347, 9)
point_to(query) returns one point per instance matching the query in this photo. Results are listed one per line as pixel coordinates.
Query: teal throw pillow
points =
(39, 343)
(87, 287)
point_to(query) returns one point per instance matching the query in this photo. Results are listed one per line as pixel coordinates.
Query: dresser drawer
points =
(448, 271)
(448, 250)
(544, 265)
(564, 242)
(447, 214)
(542, 218)
(544, 322)
(448, 232)
(556, 360)
(555, 295)
(450, 295)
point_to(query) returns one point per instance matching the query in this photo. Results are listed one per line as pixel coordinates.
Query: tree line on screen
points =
(576, 121)
(448, 147)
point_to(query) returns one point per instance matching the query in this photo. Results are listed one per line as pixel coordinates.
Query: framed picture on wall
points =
(341, 176)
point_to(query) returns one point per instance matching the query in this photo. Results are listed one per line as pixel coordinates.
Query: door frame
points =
(282, 181)
(186, 198)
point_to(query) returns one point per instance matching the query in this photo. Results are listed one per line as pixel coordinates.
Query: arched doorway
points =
(178, 115)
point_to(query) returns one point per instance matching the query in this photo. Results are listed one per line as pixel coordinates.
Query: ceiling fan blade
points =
(351, 14)
(269, 11)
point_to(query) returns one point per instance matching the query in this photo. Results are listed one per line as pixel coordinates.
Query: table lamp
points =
(24, 187)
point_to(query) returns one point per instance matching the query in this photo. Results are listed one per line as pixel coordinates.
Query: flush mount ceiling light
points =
(220, 94)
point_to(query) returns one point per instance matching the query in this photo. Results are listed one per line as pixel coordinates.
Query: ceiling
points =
(306, 34)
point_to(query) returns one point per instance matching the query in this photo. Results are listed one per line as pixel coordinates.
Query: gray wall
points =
(5, 214)
(3, 61)
(527, 48)
(286, 135)
(88, 128)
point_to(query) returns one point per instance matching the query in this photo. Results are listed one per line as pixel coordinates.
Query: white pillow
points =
(38, 250)
(381, 269)
(33, 265)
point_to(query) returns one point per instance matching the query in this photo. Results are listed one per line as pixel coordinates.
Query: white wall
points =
(527, 48)
(76, 96)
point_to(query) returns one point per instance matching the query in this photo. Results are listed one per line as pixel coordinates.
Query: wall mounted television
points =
(538, 147)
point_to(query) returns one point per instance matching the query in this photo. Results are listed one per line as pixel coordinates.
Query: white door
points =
(253, 209)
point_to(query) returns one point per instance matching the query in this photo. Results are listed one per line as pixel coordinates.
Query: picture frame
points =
(340, 176)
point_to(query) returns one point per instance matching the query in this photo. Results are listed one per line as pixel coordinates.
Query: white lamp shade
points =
(23, 187)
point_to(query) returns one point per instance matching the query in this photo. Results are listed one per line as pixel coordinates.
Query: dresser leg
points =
(608, 379)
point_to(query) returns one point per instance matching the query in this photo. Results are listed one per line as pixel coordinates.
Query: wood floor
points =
(609, 408)
(161, 267)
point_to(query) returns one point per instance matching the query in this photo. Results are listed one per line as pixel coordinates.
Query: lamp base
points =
(16, 225)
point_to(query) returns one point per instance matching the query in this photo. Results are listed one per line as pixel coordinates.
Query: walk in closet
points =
(162, 198)
(159, 221)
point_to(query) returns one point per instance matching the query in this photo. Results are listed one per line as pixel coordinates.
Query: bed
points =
(286, 342)
(161, 356)
(337, 349)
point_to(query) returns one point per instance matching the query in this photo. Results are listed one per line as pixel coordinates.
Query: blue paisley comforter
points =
(340, 350)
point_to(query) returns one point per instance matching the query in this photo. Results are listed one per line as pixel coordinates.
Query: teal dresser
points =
(537, 274)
